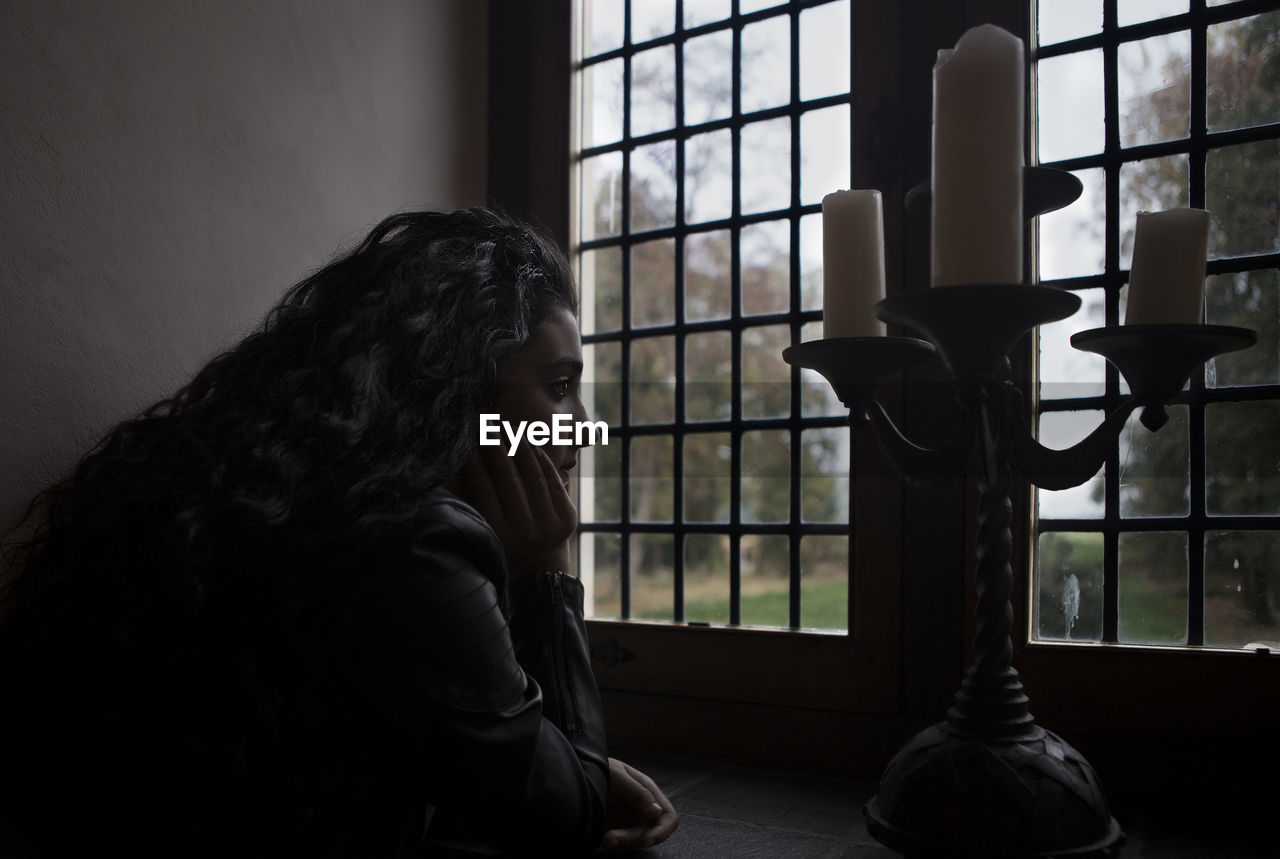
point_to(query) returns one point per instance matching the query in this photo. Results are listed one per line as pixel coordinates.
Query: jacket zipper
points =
(568, 709)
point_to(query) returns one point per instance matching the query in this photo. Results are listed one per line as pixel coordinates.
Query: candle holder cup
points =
(856, 366)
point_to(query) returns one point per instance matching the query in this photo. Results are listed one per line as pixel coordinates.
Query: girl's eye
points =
(560, 388)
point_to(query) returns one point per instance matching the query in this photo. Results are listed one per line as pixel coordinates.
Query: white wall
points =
(169, 167)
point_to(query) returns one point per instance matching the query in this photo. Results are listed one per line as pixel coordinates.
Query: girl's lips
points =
(564, 471)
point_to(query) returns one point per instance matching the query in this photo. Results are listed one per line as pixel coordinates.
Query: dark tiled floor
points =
(732, 811)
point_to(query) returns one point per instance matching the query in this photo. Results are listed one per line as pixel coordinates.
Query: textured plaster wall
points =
(169, 167)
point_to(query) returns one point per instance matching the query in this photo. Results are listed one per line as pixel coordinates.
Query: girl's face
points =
(542, 380)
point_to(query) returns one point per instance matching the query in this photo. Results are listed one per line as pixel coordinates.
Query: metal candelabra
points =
(987, 780)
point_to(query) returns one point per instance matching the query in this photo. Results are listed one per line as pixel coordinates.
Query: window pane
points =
(766, 476)
(1072, 241)
(600, 484)
(1250, 299)
(766, 165)
(600, 273)
(1069, 587)
(1060, 430)
(811, 263)
(1240, 194)
(602, 196)
(1065, 371)
(1242, 458)
(1069, 99)
(651, 19)
(1241, 587)
(817, 397)
(766, 378)
(708, 77)
(1155, 89)
(824, 475)
(699, 12)
(1153, 588)
(651, 483)
(708, 389)
(765, 253)
(708, 458)
(706, 276)
(1062, 20)
(653, 380)
(766, 63)
(1151, 185)
(653, 186)
(824, 588)
(1136, 11)
(602, 103)
(653, 266)
(824, 152)
(1241, 74)
(706, 578)
(602, 25)
(708, 177)
(653, 90)
(824, 51)
(600, 563)
(748, 6)
(766, 581)
(1154, 470)
(652, 575)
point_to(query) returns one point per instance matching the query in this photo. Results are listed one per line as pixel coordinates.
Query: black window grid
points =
(1196, 146)
(737, 425)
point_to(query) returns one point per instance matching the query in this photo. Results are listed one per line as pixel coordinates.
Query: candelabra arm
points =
(1063, 469)
(922, 465)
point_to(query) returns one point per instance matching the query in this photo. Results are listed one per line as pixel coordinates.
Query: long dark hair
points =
(358, 393)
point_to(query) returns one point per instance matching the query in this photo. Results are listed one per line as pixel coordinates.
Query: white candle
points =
(977, 159)
(1166, 280)
(852, 263)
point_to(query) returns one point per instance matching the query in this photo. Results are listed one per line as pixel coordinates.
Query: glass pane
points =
(652, 574)
(602, 196)
(651, 19)
(766, 378)
(600, 559)
(600, 486)
(1241, 72)
(706, 577)
(602, 103)
(651, 482)
(1065, 371)
(699, 12)
(1240, 194)
(602, 381)
(1061, 20)
(824, 475)
(747, 6)
(708, 77)
(706, 276)
(817, 398)
(1250, 299)
(1151, 185)
(602, 25)
(653, 90)
(766, 64)
(824, 582)
(1069, 99)
(766, 476)
(653, 186)
(1154, 89)
(765, 563)
(1242, 458)
(708, 388)
(653, 271)
(1060, 430)
(1241, 588)
(653, 380)
(1153, 588)
(708, 177)
(1072, 242)
(766, 165)
(1155, 476)
(1136, 11)
(707, 476)
(824, 52)
(811, 263)
(600, 273)
(824, 152)
(765, 254)
(1069, 587)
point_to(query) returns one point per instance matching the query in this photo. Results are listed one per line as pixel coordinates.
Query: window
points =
(708, 134)
(1156, 105)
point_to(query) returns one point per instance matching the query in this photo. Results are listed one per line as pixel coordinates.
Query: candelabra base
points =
(951, 793)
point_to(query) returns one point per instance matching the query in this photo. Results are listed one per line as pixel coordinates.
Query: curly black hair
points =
(191, 534)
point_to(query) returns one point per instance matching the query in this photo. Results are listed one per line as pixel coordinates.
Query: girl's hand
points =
(525, 503)
(639, 814)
